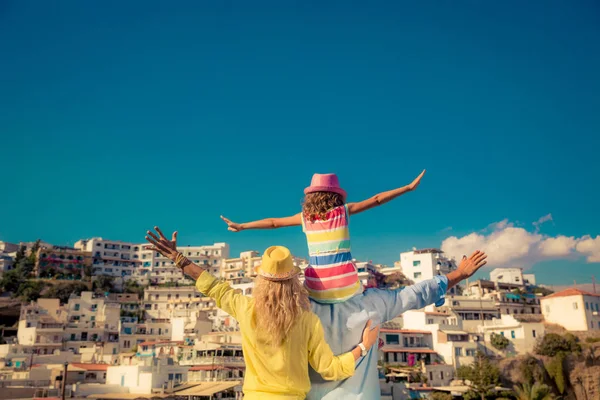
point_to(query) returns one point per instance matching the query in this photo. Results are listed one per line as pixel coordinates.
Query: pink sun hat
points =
(325, 183)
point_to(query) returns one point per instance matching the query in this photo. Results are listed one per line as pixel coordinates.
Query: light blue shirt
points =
(344, 323)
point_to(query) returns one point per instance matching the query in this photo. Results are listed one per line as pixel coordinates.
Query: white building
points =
(508, 275)
(92, 321)
(421, 265)
(6, 247)
(6, 263)
(158, 373)
(42, 325)
(573, 309)
(127, 260)
(522, 332)
(455, 346)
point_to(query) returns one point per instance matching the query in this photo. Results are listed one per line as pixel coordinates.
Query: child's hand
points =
(232, 226)
(416, 182)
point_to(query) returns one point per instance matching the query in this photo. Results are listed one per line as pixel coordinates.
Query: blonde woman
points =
(280, 335)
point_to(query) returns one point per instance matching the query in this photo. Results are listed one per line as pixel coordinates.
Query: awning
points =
(207, 388)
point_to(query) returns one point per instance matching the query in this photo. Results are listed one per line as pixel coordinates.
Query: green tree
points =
(64, 290)
(440, 396)
(499, 341)
(132, 286)
(537, 391)
(103, 283)
(556, 369)
(88, 272)
(532, 370)
(482, 377)
(31, 259)
(12, 280)
(553, 343)
(31, 290)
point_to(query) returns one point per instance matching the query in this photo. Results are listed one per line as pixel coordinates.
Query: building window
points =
(416, 263)
(458, 351)
(512, 334)
(441, 374)
(76, 307)
(417, 275)
(430, 376)
(471, 352)
(392, 339)
(533, 332)
(587, 305)
(430, 321)
(574, 306)
(502, 333)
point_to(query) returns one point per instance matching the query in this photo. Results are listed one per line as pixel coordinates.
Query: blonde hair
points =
(278, 305)
(316, 205)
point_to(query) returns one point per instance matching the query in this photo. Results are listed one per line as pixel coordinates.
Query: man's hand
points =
(232, 226)
(167, 248)
(467, 267)
(413, 185)
(370, 335)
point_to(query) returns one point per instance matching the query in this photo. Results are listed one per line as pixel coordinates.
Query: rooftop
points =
(571, 292)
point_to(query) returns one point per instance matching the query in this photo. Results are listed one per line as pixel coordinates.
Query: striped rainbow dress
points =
(332, 276)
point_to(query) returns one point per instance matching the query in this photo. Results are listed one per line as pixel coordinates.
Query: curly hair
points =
(316, 205)
(278, 305)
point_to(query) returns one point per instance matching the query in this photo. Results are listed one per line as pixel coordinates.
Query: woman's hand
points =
(232, 226)
(370, 335)
(167, 248)
(413, 185)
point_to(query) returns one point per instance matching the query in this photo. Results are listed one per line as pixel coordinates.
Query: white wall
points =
(567, 311)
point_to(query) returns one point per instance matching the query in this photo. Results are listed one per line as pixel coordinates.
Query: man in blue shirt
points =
(344, 323)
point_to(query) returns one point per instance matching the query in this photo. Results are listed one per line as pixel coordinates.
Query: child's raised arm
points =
(267, 223)
(384, 197)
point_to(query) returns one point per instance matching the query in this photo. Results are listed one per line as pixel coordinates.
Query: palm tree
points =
(537, 391)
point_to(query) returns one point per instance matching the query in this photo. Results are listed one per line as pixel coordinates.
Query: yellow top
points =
(277, 372)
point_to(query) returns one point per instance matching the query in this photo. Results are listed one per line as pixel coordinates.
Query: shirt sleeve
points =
(392, 303)
(321, 358)
(225, 296)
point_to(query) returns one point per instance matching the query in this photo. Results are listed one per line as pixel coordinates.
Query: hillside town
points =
(108, 319)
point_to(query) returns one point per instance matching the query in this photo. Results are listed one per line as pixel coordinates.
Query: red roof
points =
(159, 342)
(571, 292)
(386, 330)
(90, 367)
(399, 349)
(206, 368)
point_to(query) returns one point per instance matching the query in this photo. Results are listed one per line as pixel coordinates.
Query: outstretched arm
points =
(384, 197)
(267, 223)
(392, 303)
(225, 297)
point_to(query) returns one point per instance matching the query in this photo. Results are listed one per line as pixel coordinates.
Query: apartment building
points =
(42, 325)
(508, 297)
(6, 262)
(471, 311)
(454, 345)
(574, 309)
(522, 331)
(93, 320)
(61, 262)
(114, 257)
(125, 260)
(424, 264)
(208, 257)
(216, 356)
(241, 270)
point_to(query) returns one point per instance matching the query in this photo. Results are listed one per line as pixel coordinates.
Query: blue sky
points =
(120, 116)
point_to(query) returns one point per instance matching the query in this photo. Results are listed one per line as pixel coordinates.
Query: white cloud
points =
(539, 222)
(508, 245)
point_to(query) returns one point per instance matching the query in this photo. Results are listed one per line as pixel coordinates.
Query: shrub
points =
(499, 341)
(553, 344)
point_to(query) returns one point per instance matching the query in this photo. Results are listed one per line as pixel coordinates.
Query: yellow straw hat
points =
(277, 264)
